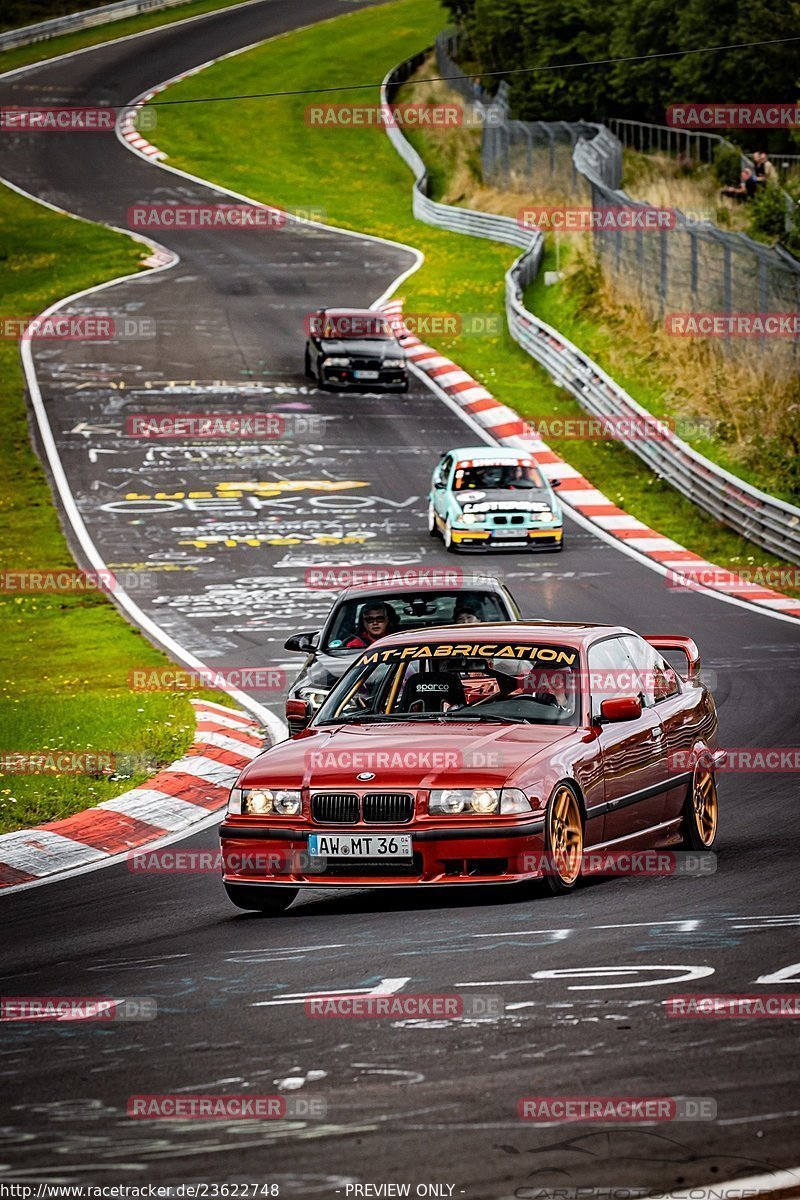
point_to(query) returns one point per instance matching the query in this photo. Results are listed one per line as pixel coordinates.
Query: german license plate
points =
(510, 533)
(367, 374)
(359, 845)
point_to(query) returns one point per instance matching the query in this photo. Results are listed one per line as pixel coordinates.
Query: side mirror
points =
(298, 714)
(621, 708)
(302, 641)
(439, 484)
(555, 483)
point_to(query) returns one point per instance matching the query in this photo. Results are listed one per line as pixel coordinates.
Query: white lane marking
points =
(222, 711)
(386, 987)
(156, 808)
(208, 738)
(688, 974)
(782, 976)
(206, 769)
(34, 851)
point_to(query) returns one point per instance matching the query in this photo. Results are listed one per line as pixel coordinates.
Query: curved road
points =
(223, 553)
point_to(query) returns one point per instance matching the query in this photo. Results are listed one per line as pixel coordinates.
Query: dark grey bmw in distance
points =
(354, 348)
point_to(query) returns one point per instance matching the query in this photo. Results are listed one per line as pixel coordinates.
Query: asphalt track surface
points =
(418, 1102)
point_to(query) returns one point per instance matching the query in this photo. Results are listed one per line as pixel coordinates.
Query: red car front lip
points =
(469, 855)
(418, 833)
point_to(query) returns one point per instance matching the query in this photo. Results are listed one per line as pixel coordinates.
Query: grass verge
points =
(356, 177)
(21, 56)
(64, 659)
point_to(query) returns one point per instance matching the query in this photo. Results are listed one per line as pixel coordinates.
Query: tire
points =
(563, 840)
(432, 526)
(309, 373)
(560, 545)
(700, 810)
(447, 538)
(264, 899)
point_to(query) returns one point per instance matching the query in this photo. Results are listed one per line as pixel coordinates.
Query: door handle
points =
(656, 732)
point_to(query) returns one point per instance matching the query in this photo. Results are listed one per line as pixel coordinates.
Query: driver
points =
(518, 677)
(376, 619)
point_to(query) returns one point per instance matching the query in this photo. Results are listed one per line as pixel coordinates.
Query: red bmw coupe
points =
(480, 755)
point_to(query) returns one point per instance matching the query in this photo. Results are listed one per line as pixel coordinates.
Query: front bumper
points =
(257, 853)
(345, 377)
(492, 539)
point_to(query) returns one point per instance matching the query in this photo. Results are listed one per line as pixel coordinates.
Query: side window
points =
(610, 672)
(443, 469)
(657, 679)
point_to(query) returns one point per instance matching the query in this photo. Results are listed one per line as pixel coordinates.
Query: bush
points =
(727, 166)
(768, 214)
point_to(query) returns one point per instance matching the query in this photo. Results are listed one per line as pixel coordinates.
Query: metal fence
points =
(689, 267)
(44, 30)
(770, 522)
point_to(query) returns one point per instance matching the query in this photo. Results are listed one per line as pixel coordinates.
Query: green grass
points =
(66, 42)
(361, 183)
(64, 659)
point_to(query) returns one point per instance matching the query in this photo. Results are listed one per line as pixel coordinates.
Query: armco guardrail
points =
(45, 30)
(460, 220)
(764, 519)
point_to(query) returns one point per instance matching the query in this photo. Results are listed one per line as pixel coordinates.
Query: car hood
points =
(366, 348)
(503, 500)
(327, 669)
(405, 754)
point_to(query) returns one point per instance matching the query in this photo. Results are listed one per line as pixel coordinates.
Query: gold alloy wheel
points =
(704, 805)
(565, 835)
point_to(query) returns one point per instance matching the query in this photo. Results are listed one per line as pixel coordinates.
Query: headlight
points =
(394, 362)
(473, 518)
(336, 362)
(483, 800)
(260, 801)
(313, 695)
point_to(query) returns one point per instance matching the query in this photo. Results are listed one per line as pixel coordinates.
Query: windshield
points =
(366, 326)
(492, 682)
(491, 476)
(358, 622)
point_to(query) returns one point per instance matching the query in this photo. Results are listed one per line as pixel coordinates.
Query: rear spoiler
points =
(686, 645)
